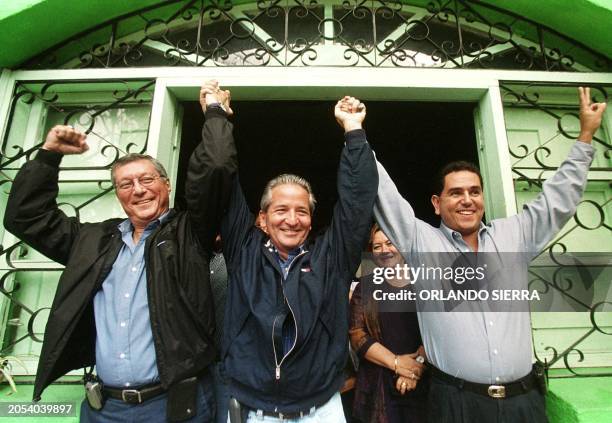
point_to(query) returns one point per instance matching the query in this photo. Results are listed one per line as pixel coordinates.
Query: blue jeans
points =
(221, 392)
(330, 412)
(152, 410)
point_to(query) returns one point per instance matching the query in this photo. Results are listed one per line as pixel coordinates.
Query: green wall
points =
(586, 21)
(28, 27)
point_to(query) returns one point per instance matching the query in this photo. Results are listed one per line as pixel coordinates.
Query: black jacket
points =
(316, 292)
(176, 257)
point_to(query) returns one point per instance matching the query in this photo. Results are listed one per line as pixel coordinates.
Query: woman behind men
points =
(391, 387)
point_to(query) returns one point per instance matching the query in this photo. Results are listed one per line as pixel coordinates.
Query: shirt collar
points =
(290, 255)
(126, 227)
(454, 235)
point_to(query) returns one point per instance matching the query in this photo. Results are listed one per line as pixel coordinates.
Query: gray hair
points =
(286, 179)
(134, 157)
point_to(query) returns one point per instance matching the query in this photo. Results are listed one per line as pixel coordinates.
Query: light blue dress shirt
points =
(125, 353)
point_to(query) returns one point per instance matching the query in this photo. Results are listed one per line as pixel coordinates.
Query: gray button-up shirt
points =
(485, 347)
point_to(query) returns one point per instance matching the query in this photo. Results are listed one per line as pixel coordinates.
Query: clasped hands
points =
(409, 371)
(349, 111)
(211, 93)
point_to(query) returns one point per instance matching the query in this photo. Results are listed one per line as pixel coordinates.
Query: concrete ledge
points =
(580, 399)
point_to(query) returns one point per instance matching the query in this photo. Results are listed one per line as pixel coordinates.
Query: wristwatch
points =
(217, 105)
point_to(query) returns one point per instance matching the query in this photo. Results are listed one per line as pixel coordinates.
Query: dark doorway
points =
(412, 140)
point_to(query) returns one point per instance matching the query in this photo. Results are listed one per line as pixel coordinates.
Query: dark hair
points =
(370, 307)
(375, 228)
(455, 167)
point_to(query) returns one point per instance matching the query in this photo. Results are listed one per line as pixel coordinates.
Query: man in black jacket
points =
(134, 298)
(285, 342)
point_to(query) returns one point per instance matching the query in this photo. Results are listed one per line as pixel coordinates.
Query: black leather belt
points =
(289, 416)
(135, 395)
(499, 391)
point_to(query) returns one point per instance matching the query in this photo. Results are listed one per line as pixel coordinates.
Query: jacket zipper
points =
(277, 364)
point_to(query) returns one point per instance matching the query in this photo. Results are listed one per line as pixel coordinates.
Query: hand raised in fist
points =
(65, 139)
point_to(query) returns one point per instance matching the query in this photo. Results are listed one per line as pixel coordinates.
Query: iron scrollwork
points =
(120, 104)
(572, 278)
(83, 116)
(369, 33)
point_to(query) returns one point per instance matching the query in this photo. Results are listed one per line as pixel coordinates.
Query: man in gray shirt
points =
(481, 361)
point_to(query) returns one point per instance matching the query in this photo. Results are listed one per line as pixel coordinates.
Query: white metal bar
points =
(328, 26)
(164, 48)
(257, 32)
(34, 133)
(496, 49)
(494, 155)
(30, 264)
(163, 129)
(401, 29)
(7, 86)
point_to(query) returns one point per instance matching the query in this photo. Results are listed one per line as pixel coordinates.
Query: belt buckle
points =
(131, 392)
(497, 391)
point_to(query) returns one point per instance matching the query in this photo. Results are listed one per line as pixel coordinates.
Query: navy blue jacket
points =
(316, 291)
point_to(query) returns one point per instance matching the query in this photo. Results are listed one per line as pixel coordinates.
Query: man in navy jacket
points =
(285, 340)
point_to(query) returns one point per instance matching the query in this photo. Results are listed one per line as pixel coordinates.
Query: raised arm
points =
(32, 213)
(212, 166)
(357, 182)
(543, 217)
(393, 213)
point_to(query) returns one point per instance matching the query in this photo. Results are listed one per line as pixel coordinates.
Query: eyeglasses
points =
(145, 181)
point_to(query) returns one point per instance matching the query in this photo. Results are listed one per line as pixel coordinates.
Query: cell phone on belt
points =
(541, 376)
(94, 395)
(235, 411)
